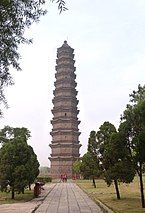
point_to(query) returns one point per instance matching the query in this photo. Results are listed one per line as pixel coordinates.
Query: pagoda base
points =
(61, 166)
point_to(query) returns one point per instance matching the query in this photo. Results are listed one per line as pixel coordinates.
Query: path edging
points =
(105, 208)
(42, 199)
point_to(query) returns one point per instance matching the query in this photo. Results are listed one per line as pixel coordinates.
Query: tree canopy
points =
(114, 156)
(89, 163)
(88, 167)
(8, 134)
(133, 127)
(18, 163)
(15, 17)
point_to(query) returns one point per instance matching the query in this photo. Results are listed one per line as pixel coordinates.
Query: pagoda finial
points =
(65, 44)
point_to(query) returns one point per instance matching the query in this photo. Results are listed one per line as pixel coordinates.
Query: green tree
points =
(15, 17)
(92, 149)
(114, 156)
(18, 162)
(117, 162)
(32, 167)
(103, 137)
(133, 127)
(77, 167)
(88, 167)
(8, 133)
(92, 144)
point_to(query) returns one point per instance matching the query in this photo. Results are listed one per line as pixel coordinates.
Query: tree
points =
(15, 17)
(103, 137)
(88, 167)
(32, 167)
(118, 167)
(92, 144)
(114, 156)
(61, 5)
(92, 149)
(18, 162)
(133, 126)
(77, 167)
(8, 134)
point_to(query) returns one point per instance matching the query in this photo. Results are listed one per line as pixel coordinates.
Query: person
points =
(65, 177)
(61, 178)
(37, 189)
(8, 188)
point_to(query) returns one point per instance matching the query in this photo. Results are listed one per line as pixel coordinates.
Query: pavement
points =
(56, 198)
(27, 207)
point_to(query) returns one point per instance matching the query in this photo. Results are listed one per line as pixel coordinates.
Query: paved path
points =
(56, 198)
(68, 198)
(27, 207)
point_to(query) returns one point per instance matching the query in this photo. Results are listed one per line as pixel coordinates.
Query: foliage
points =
(92, 149)
(92, 145)
(61, 5)
(32, 167)
(118, 166)
(103, 137)
(8, 134)
(18, 163)
(44, 179)
(114, 156)
(15, 17)
(88, 166)
(133, 123)
(76, 166)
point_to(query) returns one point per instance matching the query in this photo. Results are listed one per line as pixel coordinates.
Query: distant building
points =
(65, 133)
(44, 171)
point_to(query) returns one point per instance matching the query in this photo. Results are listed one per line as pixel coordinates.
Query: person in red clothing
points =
(65, 177)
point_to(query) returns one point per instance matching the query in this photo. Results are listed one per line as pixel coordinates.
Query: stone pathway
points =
(56, 198)
(27, 207)
(68, 198)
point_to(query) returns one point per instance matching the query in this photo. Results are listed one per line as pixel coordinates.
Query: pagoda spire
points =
(65, 133)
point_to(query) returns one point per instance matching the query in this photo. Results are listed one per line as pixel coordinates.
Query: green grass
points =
(5, 198)
(130, 195)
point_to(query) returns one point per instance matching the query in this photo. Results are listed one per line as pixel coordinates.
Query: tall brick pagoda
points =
(65, 133)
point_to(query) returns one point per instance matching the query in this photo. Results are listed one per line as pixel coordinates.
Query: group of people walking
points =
(63, 177)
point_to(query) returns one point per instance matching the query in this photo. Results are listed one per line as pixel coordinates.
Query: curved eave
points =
(66, 132)
(65, 145)
(65, 109)
(65, 120)
(63, 158)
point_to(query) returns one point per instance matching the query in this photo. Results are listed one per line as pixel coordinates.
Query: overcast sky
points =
(109, 42)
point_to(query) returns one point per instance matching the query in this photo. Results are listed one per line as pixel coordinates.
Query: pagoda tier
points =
(65, 133)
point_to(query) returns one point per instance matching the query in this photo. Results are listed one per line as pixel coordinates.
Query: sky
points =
(108, 38)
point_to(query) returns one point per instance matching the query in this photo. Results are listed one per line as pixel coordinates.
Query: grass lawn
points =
(130, 195)
(5, 198)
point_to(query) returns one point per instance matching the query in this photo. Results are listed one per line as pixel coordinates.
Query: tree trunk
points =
(30, 186)
(13, 193)
(141, 186)
(94, 183)
(22, 190)
(117, 189)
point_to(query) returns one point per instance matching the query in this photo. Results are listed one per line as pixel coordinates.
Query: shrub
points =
(44, 179)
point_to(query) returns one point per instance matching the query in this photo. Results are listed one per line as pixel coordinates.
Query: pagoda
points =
(65, 133)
